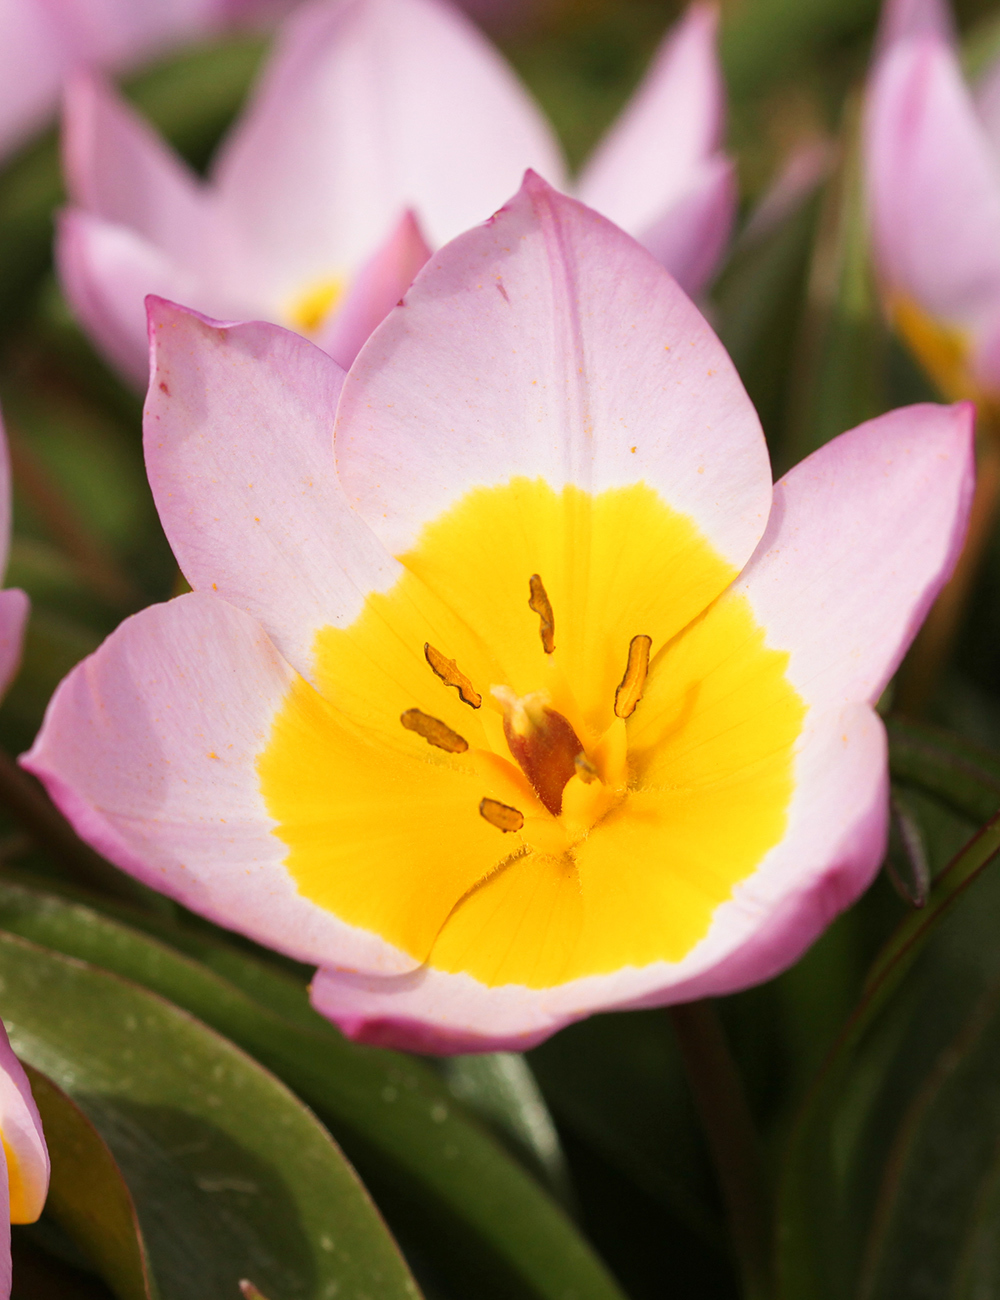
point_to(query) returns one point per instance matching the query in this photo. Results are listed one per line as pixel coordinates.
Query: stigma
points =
(543, 744)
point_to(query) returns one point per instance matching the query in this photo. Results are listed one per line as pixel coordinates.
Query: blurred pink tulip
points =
(527, 694)
(933, 180)
(378, 124)
(24, 1157)
(43, 41)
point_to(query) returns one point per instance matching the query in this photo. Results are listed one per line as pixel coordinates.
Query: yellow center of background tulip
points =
(308, 311)
(23, 1209)
(944, 351)
(431, 788)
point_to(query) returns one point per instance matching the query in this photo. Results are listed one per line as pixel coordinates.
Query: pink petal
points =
(655, 152)
(121, 33)
(370, 107)
(548, 343)
(239, 451)
(34, 55)
(904, 18)
(987, 96)
(14, 610)
(21, 1127)
(106, 272)
(834, 844)
(150, 748)
(691, 237)
(933, 184)
(862, 536)
(119, 169)
(377, 288)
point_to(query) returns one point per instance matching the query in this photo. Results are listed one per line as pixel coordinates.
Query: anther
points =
(585, 769)
(501, 815)
(434, 731)
(629, 693)
(542, 606)
(449, 673)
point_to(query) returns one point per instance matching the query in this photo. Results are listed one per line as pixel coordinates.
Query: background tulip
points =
(378, 125)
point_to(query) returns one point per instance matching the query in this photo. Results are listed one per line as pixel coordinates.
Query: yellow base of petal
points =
(384, 829)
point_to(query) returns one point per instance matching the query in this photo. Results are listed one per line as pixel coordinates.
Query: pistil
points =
(542, 743)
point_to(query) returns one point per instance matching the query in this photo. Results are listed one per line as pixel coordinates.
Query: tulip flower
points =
(933, 179)
(527, 695)
(24, 1158)
(378, 124)
(42, 42)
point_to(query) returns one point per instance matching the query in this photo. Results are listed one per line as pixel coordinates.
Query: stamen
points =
(449, 673)
(434, 731)
(629, 693)
(585, 769)
(542, 606)
(501, 815)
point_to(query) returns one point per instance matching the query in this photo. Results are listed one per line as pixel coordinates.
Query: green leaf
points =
(959, 773)
(500, 1088)
(937, 1222)
(88, 1196)
(840, 1149)
(437, 1173)
(231, 1176)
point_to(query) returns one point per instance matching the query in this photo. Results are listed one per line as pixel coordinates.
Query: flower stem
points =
(936, 639)
(27, 801)
(732, 1139)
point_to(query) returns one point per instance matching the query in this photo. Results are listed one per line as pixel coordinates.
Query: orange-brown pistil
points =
(543, 744)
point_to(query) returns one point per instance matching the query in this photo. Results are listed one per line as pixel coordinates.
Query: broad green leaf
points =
(435, 1171)
(231, 1176)
(88, 1196)
(617, 1081)
(840, 1149)
(937, 1224)
(500, 1088)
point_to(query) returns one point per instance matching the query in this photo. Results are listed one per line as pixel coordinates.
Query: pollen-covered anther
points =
(632, 685)
(450, 674)
(541, 741)
(501, 815)
(541, 605)
(434, 731)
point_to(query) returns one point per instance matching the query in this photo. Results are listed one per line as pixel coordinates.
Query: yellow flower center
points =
(308, 311)
(550, 750)
(20, 1208)
(942, 350)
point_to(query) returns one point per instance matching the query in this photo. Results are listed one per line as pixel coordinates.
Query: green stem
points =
(732, 1140)
(26, 800)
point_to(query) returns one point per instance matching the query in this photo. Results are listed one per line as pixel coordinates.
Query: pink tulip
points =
(43, 41)
(527, 695)
(378, 124)
(24, 1157)
(933, 177)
